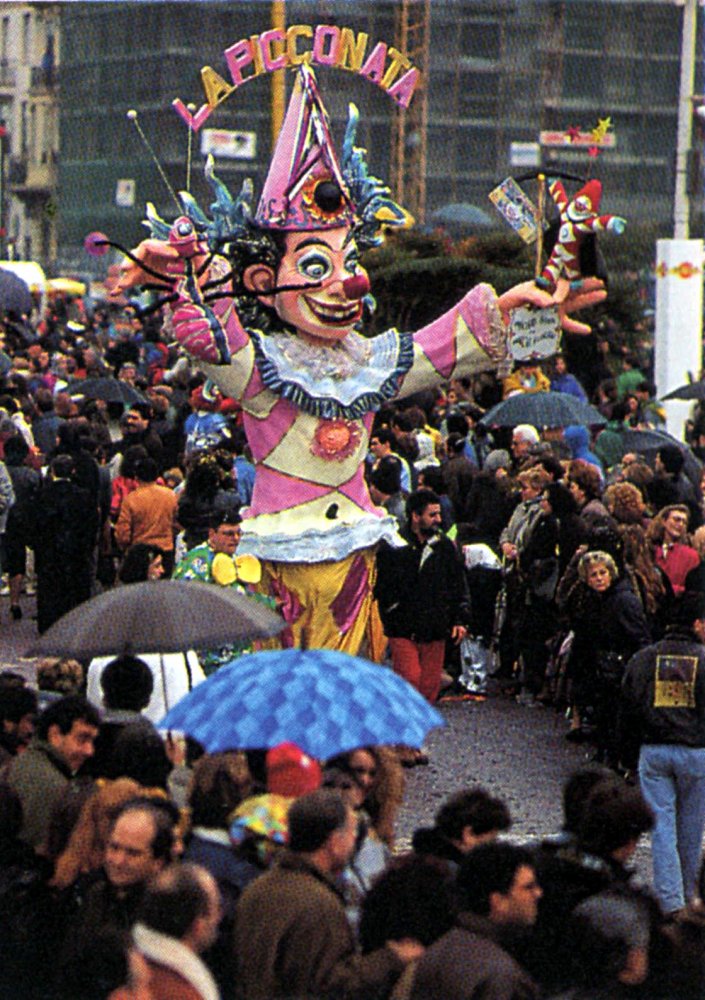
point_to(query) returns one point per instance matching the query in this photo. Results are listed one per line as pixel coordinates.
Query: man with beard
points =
(422, 595)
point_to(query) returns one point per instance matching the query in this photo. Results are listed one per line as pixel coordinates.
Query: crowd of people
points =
(555, 566)
(272, 875)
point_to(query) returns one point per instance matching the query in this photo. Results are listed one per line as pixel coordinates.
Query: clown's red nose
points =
(356, 286)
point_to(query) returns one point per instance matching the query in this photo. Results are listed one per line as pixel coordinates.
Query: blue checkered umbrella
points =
(324, 701)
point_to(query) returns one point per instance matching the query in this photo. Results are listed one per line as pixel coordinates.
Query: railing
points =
(8, 75)
(44, 77)
(17, 171)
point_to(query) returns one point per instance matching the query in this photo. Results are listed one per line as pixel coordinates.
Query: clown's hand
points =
(158, 257)
(616, 225)
(569, 297)
(578, 295)
(165, 261)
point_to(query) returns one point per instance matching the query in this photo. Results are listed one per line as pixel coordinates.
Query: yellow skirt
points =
(329, 605)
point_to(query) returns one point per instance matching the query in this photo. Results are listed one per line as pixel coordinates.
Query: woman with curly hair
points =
(649, 582)
(625, 503)
(670, 541)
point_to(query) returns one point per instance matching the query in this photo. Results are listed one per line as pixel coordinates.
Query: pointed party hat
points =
(591, 190)
(305, 188)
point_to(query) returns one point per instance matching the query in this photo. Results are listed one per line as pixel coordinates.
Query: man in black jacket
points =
(422, 595)
(664, 691)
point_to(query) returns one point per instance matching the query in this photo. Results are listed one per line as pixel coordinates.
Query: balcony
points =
(43, 79)
(8, 75)
(17, 171)
(29, 178)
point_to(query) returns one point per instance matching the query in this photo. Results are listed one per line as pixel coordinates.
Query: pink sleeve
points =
(470, 338)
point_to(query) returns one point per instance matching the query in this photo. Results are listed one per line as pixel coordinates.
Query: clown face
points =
(325, 259)
(580, 208)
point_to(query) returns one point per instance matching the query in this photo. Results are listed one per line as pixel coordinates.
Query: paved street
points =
(519, 754)
(16, 637)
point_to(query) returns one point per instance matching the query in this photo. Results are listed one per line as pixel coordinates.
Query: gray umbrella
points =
(647, 443)
(15, 296)
(693, 390)
(542, 409)
(112, 390)
(159, 616)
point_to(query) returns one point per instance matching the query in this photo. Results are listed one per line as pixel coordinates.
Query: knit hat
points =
(292, 772)
(497, 459)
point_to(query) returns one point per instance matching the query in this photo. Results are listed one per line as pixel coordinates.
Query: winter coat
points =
(608, 623)
(40, 776)
(664, 690)
(292, 939)
(421, 589)
(469, 963)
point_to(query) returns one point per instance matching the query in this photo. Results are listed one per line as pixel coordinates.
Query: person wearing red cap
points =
(291, 772)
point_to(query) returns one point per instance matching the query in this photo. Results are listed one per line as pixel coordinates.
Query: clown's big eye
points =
(184, 228)
(315, 266)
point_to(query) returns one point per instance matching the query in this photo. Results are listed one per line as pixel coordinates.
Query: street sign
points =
(574, 138)
(125, 193)
(524, 154)
(228, 144)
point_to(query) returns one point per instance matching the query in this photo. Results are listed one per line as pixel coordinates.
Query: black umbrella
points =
(647, 443)
(15, 296)
(112, 390)
(693, 390)
(542, 409)
(159, 616)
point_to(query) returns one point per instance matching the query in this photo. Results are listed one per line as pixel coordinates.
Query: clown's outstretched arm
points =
(472, 337)
(468, 339)
(210, 331)
(214, 338)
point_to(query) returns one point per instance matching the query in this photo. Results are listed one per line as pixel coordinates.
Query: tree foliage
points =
(416, 276)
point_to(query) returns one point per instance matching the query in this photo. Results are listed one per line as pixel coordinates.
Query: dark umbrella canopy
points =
(647, 444)
(693, 390)
(159, 616)
(324, 701)
(15, 296)
(463, 217)
(112, 390)
(542, 409)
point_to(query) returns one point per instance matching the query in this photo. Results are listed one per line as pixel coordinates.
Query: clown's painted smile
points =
(338, 315)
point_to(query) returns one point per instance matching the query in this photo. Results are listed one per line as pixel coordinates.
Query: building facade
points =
(29, 115)
(500, 73)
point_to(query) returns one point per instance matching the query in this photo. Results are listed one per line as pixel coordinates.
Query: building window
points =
(24, 127)
(26, 37)
(33, 134)
(5, 39)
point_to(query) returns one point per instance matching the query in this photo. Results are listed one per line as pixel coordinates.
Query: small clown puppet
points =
(270, 304)
(578, 219)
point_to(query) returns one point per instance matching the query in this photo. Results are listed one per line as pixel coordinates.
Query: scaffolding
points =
(409, 127)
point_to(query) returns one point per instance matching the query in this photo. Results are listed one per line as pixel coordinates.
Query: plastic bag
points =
(474, 656)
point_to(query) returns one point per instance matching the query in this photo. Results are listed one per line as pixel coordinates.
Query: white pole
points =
(681, 201)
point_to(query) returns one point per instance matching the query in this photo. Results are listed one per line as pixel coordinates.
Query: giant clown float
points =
(269, 302)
